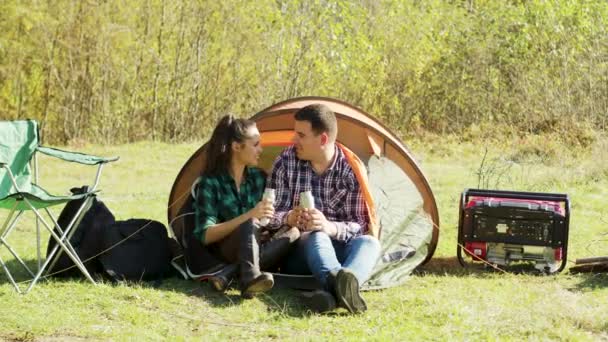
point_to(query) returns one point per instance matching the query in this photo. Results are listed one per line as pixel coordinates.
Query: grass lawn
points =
(441, 301)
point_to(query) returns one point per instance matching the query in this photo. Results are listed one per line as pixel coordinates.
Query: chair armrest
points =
(75, 156)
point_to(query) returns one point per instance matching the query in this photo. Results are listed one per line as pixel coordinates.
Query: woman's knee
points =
(247, 226)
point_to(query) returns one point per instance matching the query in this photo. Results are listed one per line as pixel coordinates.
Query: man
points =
(334, 247)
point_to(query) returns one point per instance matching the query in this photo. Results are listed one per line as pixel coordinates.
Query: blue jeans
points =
(318, 254)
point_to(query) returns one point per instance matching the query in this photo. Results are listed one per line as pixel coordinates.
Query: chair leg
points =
(67, 235)
(35, 162)
(10, 277)
(8, 220)
(62, 238)
(68, 250)
(6, 231)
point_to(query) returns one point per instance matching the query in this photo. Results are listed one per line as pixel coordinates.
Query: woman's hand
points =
(262, 209)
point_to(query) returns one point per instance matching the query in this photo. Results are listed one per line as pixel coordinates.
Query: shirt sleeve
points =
(355, 212)
(258, 186)
(278, 181)
(205, 208)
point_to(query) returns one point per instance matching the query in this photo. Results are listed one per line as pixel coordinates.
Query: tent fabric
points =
(406, 228)
(404, 202)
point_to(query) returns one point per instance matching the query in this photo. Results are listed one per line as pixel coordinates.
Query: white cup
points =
(269, 195)
(306, 200)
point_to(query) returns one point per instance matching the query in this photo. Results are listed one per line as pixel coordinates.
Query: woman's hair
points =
(219, 149)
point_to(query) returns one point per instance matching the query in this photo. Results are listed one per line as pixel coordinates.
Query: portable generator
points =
(501, 227)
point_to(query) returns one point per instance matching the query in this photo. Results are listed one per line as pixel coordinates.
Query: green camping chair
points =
(19, 192)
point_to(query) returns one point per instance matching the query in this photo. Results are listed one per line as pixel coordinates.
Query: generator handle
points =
(539, 196)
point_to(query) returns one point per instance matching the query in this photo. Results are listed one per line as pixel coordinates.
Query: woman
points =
(229, 205)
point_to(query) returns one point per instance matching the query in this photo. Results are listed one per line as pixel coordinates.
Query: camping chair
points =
(19, 142)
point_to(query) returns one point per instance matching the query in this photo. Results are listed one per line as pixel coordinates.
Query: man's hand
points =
(314, 220)
(294, 217)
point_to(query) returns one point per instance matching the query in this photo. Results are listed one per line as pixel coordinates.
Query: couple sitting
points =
(329, 240)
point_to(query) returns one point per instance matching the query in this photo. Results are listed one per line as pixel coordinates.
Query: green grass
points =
(442, 301)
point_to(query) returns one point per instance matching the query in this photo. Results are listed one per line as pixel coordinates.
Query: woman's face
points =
(248, 152)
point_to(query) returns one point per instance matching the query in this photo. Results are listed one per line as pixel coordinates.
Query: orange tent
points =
(405, 204)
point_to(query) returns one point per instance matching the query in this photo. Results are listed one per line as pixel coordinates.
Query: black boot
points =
(319, 301)
(252, 280)
(322, 300)
(346, 287)
(221, 279)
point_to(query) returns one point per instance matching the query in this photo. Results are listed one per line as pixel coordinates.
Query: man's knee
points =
(317, 238)
(368, 241)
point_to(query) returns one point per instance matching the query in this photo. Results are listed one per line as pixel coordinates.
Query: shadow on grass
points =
(451, 267)
(279, 300)
(592, 281)
(18, 272)
(448, 266)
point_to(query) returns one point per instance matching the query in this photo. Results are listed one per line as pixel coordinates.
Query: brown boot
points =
(221, 279)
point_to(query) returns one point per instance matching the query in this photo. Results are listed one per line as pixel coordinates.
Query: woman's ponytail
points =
(219, 148)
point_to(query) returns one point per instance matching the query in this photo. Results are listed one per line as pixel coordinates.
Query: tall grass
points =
(442, 301)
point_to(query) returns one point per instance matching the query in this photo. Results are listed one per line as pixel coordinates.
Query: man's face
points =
(308, 144)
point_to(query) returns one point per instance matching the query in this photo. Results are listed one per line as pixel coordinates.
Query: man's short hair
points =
(321, 118)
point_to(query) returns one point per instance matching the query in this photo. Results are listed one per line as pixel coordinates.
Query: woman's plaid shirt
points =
(336, 192)
(218, 200)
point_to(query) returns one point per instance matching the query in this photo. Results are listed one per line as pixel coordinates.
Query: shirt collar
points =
(334, 162)
(333, 166)
(227, 178)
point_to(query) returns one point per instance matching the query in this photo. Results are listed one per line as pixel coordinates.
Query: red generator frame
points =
(498, 227)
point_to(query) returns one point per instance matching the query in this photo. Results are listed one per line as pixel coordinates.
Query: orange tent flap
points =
(277, 138)
(361, 174)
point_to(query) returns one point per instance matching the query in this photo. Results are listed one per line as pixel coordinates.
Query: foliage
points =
(115, 71)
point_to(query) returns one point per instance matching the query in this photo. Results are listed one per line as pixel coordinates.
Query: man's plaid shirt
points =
(336, 192)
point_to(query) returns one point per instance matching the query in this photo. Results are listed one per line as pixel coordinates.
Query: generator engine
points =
(501, 227)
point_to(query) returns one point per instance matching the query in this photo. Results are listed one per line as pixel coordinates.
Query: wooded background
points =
(121, 71)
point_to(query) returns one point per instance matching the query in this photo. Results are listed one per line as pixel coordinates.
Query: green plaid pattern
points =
(217, 199)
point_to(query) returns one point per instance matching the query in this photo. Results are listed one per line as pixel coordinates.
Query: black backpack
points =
(136, 249)
(85, 238)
